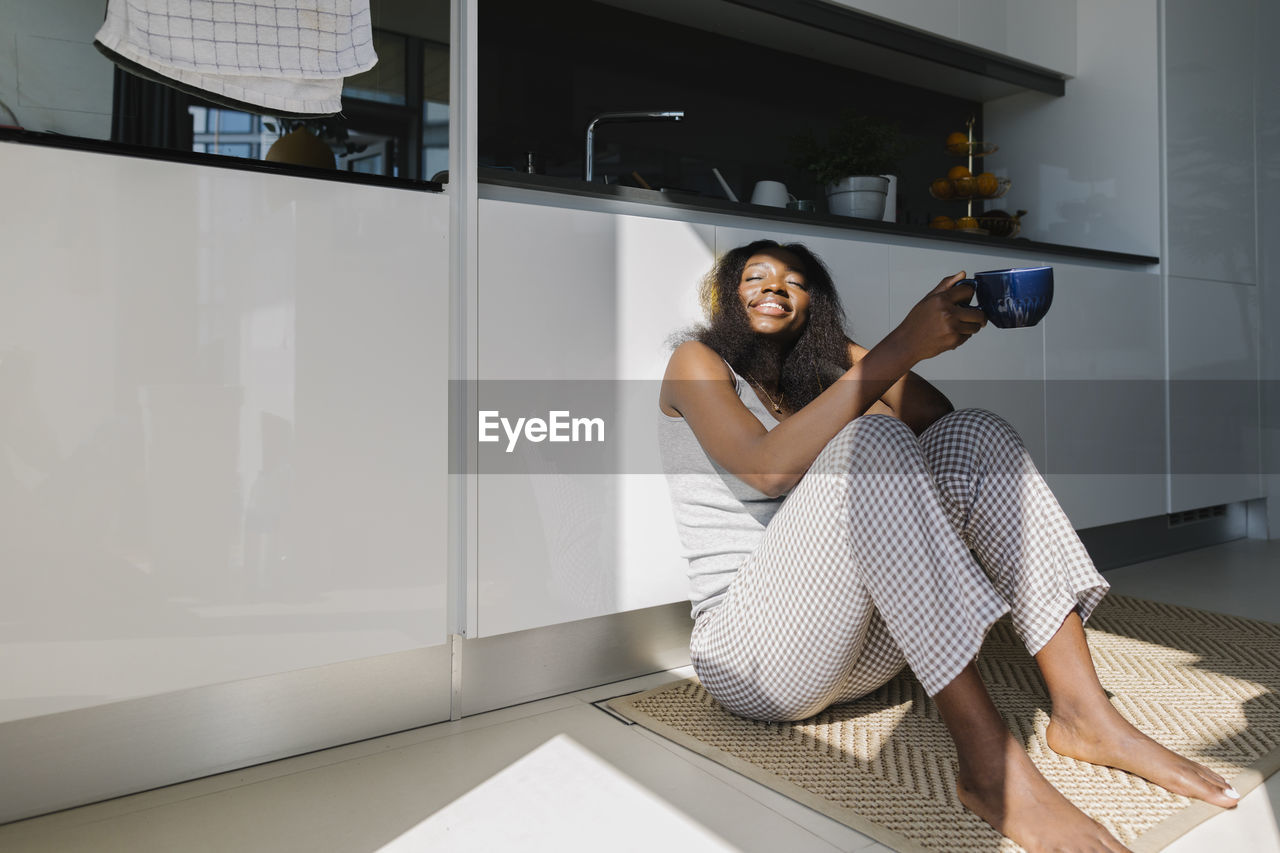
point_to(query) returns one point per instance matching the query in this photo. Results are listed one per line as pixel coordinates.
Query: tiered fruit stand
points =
(961, 184)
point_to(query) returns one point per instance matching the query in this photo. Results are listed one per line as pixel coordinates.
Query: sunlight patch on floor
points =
(560, 796)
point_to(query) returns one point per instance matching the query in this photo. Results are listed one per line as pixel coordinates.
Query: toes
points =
(1220, 790)
(1229, 796)
(1211, 776)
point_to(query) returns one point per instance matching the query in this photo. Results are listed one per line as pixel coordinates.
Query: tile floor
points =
(562, 775)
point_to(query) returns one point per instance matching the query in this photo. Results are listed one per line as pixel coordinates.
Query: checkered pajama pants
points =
(870, 564)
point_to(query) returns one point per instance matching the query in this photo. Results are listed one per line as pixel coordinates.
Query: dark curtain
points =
(148, 113)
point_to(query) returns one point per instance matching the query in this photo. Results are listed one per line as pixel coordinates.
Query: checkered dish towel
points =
(286, 57)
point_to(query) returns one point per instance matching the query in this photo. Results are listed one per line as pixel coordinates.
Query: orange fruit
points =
(965, 186)
(941, 188)
(959, 172)
(987, 184)
(966, 222)
(958, 143)
(943, 222)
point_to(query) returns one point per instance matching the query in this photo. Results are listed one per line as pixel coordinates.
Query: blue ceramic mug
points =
(1014, 297)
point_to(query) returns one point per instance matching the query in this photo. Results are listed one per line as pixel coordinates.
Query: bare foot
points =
(1103, 736)
(1010, 794)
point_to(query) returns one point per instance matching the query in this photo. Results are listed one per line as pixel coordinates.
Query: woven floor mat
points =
(1204, 684)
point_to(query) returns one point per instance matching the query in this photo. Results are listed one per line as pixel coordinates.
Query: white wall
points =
(1268, 238)
(222, 425)
(51, 76)
(1086, 166)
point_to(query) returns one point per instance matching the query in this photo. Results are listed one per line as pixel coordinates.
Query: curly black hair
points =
(816, 359)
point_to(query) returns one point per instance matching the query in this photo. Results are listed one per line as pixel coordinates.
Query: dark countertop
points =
(707, 204)
(103, 146)
(578, 188)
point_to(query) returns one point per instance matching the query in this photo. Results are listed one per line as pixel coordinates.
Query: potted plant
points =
(310, 141)
(853, 163)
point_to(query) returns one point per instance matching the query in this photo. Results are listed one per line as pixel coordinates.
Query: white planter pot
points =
(863, 197)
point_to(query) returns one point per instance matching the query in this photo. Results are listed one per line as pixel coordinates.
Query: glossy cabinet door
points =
(224, 445)
(939, 17)
(1086, 166)
(1105, 394)
(1001, 370)
(1214, 417)
(1209, 138)
(1041, 32)
(576, 312)
(223, 471)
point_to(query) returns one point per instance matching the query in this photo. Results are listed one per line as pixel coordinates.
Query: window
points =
(230, 133)
(435, 109)
(394, 119)
(399, 106)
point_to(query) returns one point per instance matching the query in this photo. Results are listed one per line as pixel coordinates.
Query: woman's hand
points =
(941, 321)
(698, 387)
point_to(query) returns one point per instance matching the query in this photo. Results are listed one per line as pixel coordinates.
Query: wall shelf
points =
(515, 186)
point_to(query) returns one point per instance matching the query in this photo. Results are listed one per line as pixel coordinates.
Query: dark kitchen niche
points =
(546, 69)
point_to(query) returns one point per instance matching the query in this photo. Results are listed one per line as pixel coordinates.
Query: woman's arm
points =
(698, 386)
(912, 399)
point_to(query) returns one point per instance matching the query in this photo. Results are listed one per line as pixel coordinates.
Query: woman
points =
(832, 504)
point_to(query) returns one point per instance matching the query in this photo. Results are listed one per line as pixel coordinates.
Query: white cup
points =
(891, 200)
(771, 193)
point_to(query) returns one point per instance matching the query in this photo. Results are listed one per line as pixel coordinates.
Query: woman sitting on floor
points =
(836, 507)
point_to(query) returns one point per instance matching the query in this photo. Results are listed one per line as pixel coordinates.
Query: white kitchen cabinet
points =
(1209, 138)
(227, 462)
(1085, 165)
(997, 369)
(1214, 451)
(1105, 394)
(576, 309)
(859, 268)
(224, 484)
(1041, 32)
(939, 17)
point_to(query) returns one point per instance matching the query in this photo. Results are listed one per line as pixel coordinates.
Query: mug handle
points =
(791, 198)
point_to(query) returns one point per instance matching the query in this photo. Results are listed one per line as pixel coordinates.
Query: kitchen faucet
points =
(667, 115)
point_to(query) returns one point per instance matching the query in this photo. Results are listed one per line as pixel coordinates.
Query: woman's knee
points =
(976, 422)
(869, 444)
(877, 429)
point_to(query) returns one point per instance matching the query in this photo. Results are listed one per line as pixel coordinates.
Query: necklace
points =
(777, 407)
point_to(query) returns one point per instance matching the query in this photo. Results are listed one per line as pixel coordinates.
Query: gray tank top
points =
(720, 518)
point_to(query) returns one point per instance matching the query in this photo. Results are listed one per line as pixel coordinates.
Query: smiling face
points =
(772, 290)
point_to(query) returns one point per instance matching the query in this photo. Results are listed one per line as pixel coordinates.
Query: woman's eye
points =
(799, 284)
(755, 278)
